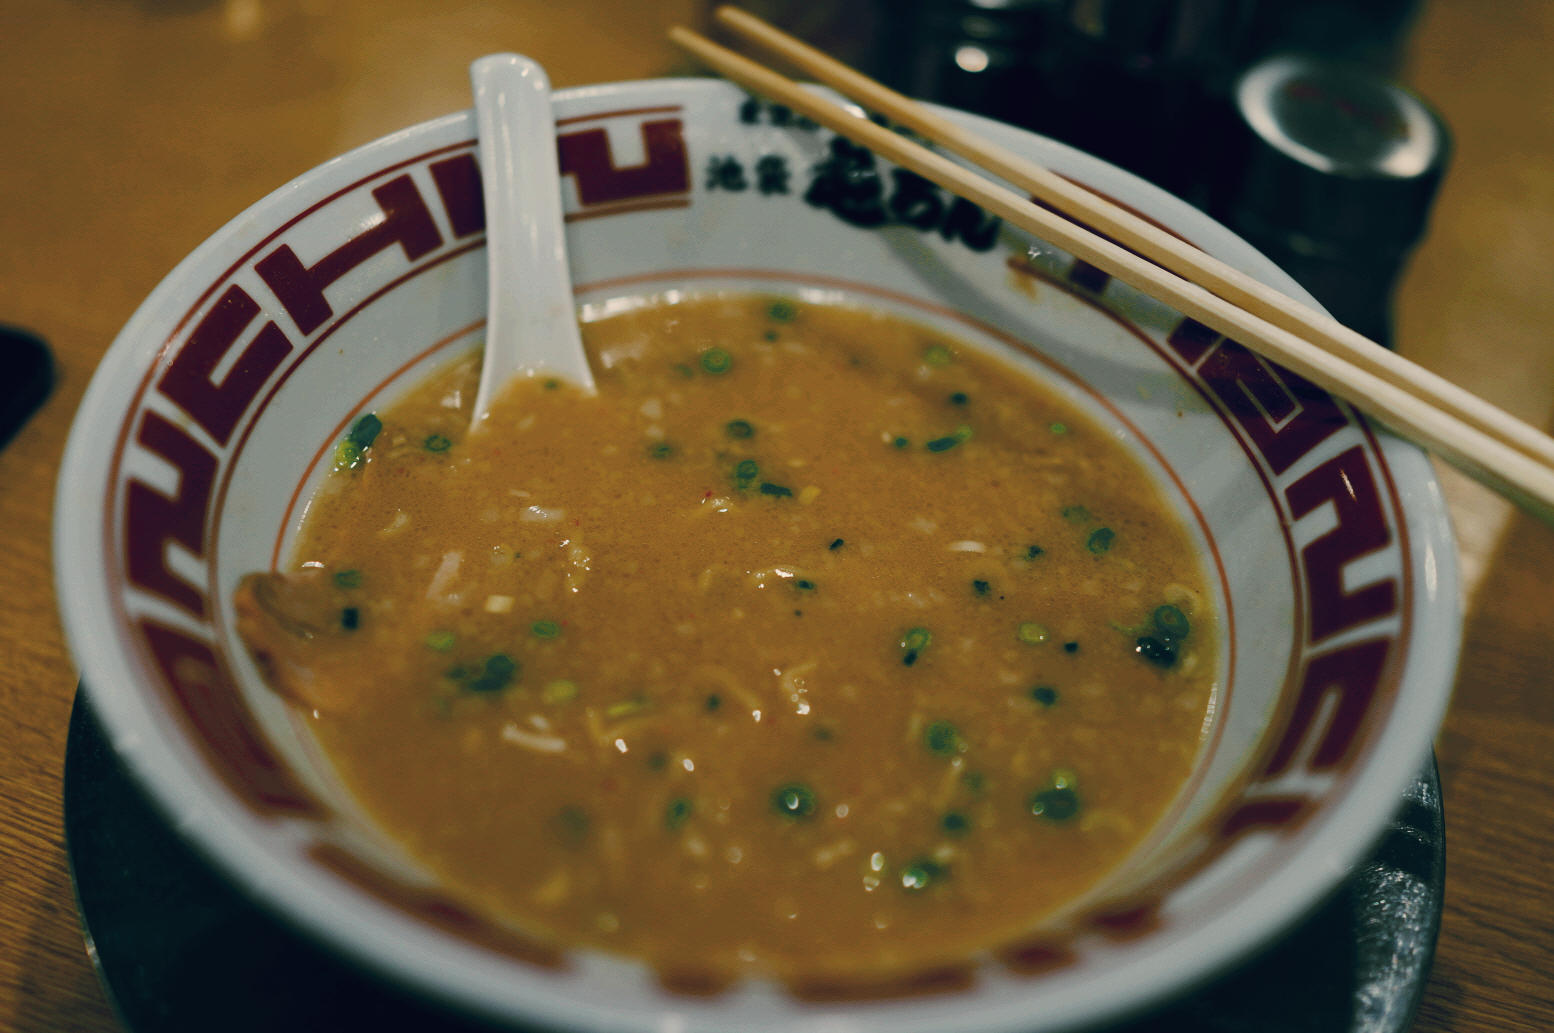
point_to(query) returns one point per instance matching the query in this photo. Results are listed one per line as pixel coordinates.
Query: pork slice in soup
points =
(816, 643)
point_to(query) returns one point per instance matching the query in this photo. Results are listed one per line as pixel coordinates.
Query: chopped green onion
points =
(571, 825)
(365, 432)
(804, 585)
(437, 443)
(943, 444)
(824, 734)
(747, 471)
(351, 452)
(545, 629)
(782, 311)
(348, 578)
(441, 641)
(959, 398)
(685, 371)
(837, 545)
(559, 691)
(914, 642)
(675, 814)
(902, 442)
(937, 355)
(975, 781)
(499, 671)
(1071, 647)
(981, 588)
(739, 429)
(716, 360)
(1058, 803)
(1169, 620)
(625, 708)
(943, 739)
(1155, 651)
(1046, 695)
(348, 455)
(552, 384)
(794, 801)
(350, 618)
(658, 760)
(1034, 551)
(1058, 428)
(1100, 540)
(714, 701)
(920, 874)
(776, 489)
(1031, 633)
(955, 824)
(660, 450)
(1077, 514)
(962, 433)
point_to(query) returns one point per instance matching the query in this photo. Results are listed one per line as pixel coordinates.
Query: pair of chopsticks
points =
(1487, 443)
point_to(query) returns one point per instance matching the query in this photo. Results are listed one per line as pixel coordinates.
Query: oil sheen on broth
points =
(816, 643)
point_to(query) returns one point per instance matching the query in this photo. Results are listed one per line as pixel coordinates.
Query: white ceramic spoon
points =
(531, 318)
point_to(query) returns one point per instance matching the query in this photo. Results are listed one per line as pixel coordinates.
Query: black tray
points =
(178, 949)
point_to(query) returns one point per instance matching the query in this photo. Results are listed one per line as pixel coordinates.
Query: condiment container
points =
(1339, 171)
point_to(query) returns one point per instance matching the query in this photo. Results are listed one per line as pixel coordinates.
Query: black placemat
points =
(178, 949)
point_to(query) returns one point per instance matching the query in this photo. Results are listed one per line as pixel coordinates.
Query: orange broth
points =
(816, 643)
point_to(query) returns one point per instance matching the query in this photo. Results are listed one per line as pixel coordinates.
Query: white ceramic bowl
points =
(1326, 539)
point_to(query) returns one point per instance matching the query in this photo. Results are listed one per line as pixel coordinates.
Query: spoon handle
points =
(531, 327)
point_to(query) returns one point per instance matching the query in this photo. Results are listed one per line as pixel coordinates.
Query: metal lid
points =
(1340, 158)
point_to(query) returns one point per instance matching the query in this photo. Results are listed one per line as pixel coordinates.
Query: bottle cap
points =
(1341, 162)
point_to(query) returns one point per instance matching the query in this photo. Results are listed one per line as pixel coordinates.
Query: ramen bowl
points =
(1325, 541)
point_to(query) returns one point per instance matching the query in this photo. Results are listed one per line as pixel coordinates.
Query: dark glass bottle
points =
(1336, 179)
(970, 54)
(1143, 84)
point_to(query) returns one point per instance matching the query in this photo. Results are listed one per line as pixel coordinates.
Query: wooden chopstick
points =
(1149, 240)
(1488, 444)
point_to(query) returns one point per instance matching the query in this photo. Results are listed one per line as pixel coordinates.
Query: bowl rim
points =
(197, 816)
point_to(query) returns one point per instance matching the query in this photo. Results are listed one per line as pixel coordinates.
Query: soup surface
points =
(816, 643)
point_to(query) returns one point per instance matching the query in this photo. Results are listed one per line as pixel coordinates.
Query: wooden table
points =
(134, 130)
